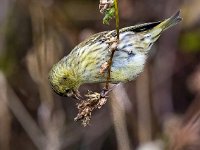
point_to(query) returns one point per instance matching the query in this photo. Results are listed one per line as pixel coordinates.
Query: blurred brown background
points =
(160, 110)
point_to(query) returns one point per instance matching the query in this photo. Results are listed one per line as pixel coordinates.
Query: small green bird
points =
(85, 61)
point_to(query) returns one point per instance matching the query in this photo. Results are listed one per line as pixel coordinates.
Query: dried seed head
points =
(94, 100)
(105, 5)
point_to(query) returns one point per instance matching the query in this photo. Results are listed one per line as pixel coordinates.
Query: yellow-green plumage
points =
(84, 63)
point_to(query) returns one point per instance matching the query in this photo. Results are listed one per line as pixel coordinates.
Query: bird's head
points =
(63, 80)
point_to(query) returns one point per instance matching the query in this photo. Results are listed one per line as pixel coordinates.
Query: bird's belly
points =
(127, 68)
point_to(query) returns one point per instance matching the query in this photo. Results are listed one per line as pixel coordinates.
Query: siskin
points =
(85, 61)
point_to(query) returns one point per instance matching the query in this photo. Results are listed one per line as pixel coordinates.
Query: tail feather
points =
(173, 20)
(164, 25)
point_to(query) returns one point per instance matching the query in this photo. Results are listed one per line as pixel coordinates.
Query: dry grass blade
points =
(5, 116)
(119, 117)
(24, 118)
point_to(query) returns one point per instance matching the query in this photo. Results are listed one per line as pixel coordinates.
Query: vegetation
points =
(160, 109)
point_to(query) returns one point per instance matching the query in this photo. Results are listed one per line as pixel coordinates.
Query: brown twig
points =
(96, 100)
(113, 51)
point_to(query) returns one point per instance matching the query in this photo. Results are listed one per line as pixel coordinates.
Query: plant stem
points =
(112, 54)
(117, 18)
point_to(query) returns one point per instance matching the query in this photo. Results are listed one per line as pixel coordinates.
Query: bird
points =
(84, 63)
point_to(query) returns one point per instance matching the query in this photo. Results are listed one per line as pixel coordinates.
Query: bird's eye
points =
(64, 78)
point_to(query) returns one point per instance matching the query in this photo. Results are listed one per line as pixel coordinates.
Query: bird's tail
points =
(164, 25)
(173, 20)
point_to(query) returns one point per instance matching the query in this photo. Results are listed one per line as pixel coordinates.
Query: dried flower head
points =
(107, 8)
(105, 5)
(93, 101)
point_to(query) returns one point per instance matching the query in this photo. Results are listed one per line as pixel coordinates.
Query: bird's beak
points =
(70, 93)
